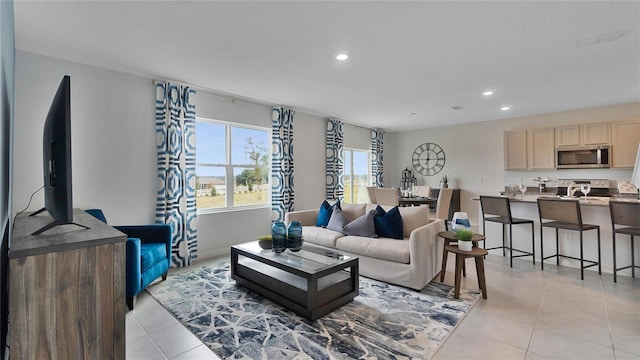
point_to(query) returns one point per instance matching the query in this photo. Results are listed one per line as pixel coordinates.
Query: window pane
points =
(210, 187)
(249, 147)
(360, 176)
(251, 186)
(210, 143)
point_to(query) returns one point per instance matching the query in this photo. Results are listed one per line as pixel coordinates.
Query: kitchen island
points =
(595, 210)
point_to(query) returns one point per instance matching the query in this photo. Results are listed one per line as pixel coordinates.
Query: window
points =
(356, 176)
(232, 165)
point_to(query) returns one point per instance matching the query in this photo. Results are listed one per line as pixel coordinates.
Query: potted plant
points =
(445, 181)
(464, 239)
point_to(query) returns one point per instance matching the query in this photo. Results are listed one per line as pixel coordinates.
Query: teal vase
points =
(294, 237)
(279, 237)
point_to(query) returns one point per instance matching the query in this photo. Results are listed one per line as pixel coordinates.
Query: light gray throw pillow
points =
(337, 220)
(362, 226)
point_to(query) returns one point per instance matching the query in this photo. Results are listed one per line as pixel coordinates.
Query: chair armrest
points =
(148, 234)
(305, 217)
(134, 272)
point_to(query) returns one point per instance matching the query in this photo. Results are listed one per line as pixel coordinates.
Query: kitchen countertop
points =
(590, 200)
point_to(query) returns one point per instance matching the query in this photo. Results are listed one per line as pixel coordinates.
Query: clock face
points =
(428, 159)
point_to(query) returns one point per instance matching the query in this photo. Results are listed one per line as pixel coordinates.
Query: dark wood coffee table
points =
(309, 283)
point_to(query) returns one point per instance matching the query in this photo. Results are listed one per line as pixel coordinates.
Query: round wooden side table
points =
(478, 254)
(450, 236)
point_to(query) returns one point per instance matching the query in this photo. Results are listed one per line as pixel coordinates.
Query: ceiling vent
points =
(601, 39)
(457, 107)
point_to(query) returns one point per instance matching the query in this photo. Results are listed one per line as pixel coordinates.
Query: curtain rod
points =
(221, 94)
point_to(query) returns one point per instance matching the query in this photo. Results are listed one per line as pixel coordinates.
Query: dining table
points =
(417, 201)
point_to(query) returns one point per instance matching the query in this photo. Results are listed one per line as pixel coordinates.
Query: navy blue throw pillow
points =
(388, 224)
(325, 213)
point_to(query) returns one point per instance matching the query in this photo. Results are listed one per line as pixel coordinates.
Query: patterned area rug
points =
(383, 322)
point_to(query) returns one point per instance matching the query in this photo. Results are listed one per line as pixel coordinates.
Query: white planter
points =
(465, 245)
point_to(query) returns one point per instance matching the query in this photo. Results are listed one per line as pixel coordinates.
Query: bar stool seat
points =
(566, 215)
(478, 254)
(627, 214)
(498, 209)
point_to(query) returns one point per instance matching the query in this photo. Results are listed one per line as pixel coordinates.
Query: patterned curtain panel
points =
(282, 195)
(335, 160)
(376, 156)
(176, 146)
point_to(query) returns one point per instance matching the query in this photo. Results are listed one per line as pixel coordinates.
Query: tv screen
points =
(56, 155)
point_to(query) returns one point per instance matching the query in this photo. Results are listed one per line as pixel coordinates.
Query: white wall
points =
(475, 153)
(114, 149)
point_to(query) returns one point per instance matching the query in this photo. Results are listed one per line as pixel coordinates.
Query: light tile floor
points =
(529, 314)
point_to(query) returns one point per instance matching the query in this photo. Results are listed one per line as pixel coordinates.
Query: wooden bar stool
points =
(627, 214)
(565, 214)
(478, 254)
(498, 209)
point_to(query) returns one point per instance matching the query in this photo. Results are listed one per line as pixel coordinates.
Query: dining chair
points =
(371, 190)
(443, 205)
(566, 215)
(387, 196)
(498, 209)
(626, 215)
(422, 191)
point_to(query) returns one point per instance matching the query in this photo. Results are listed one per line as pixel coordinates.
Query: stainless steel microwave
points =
(582, 157)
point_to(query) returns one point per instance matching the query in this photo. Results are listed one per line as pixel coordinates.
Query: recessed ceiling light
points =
(489, 92)
(412, 114)
(342, 57)
(505, 108)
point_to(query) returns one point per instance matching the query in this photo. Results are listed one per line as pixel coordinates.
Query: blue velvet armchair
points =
(148, 254)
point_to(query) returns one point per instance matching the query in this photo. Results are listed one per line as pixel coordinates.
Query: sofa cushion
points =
(413, 217)
(320, 236)
(338, 220)
(353, 211)
(388, 224)
(362, 226)
(325, 213)
(380, 248)
(151, 254)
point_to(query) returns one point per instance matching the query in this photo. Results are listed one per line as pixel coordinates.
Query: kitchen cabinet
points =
(583, 135)
(624, 145)
(529, 149)
(541, 149)
(515, 150)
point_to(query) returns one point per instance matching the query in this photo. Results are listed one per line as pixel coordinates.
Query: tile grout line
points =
(606, 313)
(535, 322)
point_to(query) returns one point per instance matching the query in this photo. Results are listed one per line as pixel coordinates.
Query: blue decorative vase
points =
(279, 237)
(294, 239)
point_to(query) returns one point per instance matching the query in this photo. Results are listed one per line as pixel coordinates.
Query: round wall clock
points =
(428, 159)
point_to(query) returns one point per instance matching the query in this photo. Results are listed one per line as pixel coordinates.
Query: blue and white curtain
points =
(282, 195)
(176, 147)
(335, 160)
(376, 156)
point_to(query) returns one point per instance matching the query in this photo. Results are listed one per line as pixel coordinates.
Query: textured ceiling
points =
(405, 57)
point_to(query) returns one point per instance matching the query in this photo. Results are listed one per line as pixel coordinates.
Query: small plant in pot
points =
(445, 181)
(464, 239)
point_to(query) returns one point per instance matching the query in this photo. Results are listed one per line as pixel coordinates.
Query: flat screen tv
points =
(56, 159)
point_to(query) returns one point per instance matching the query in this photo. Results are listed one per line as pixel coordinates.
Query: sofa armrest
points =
(305, 217)
(426, 247)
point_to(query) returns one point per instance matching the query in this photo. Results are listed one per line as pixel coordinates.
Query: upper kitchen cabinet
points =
(541, 149)
(587, 134)
(529, 149)
(624, 146)
(515, 150)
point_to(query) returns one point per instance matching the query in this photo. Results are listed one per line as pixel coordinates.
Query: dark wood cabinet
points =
(66, 290)
(455, 201)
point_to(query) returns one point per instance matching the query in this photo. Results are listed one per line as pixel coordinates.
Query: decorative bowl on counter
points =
(265, 242)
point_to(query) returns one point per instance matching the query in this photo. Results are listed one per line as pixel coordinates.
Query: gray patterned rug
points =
(383, 322)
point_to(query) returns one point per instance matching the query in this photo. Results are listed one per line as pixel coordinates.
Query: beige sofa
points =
(411, 262)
